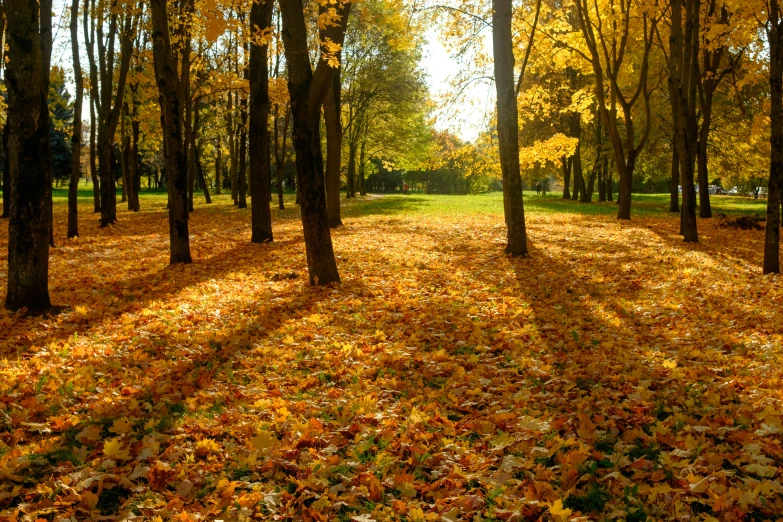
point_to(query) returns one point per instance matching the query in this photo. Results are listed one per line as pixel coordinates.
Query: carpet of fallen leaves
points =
(615, 374)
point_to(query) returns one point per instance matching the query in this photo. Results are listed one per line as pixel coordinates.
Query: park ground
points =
(616, 373)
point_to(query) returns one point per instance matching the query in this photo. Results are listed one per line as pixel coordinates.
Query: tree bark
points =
(362, 150)
(674, 195)
(705, 207)
(334, 145)
(307, 91)
(171, 124)
(260, 160)
(280, 151)
(29, 227)
(96, 182)
(218, 166)
(6, 178)
(109, 111)
(566, 178)
(508, 128)
(242, 174)
(684, 77)
(775, 187)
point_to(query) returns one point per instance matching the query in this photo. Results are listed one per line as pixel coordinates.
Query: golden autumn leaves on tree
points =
(327, 301)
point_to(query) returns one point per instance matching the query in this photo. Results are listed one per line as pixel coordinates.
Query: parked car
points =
(716, 189)
(733, 191)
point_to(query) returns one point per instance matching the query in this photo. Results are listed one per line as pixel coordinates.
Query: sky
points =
(465, 117)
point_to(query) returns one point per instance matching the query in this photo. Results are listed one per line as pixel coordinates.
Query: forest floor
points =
(617, 373)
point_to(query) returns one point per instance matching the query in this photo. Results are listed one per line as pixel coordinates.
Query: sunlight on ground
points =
(617, 372)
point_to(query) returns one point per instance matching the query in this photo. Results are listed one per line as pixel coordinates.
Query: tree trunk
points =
(109, 114)
(362, 189)
(260, 159)
(133, 170)
(218, 167)
(280, 150)
(625, 192)
(6, 175)
(96, 183)
(350, 189)
(171, 125)
(674, 185)
(6, 179)
(232, 148)
(609, 187)
(242, 174)
(566, 178)
(602, 178)
(775, 187)
(684, 77)
(307, 92)
(508, 127)
(705, 207)
(334, 145)
(29, 226)
(125, 158)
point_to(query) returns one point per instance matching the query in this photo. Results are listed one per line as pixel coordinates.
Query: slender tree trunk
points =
(125, 159)
(705, 207)
(218, 167)
(29, 226)
(351, 170)
(674, 185)
(334, 145)
(609, 187)
(362, 150)
(508, 127)
(566, 178)
(775, 187)
(6, 178)
(6, 175)
(260, 159)
(133, 170)
(171, 124)
(602, 178)
(232, 148)
(280, 151)
(242, 175)
(96, 183)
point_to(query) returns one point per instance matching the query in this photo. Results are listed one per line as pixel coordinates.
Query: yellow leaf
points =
(90, 433)
(121, 426)
(262, 441)
(112, 448)
(670, 363)
(557, 510)
(321, 504)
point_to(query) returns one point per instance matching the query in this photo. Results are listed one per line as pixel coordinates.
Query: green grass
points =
(643, 205)
(648, 205)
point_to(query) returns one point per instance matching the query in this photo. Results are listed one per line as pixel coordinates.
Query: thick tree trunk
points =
(334, 145)
(307, 92)
(508, 127)
(29, 227)
(260, 159)
(171, 125)
(684, 76)
(775, 187)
